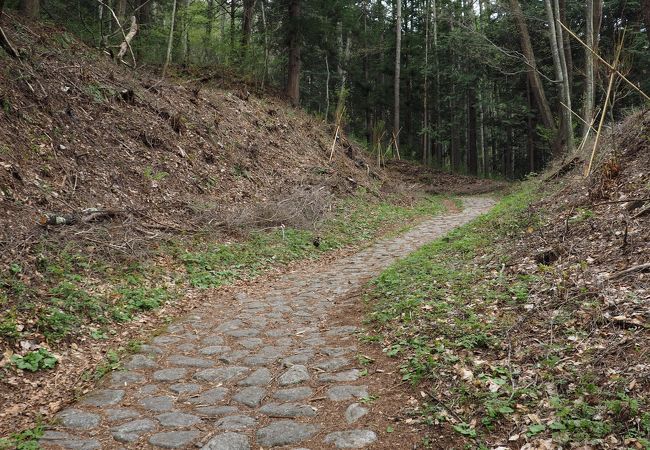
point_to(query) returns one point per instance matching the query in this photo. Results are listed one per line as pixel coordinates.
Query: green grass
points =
(25, 440)
(76, 296)
(446, 312)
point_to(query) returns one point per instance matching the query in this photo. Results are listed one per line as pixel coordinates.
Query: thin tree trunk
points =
(437, 143)
(559, 74)
(568, 54)
(233, 12)
(185, 35)
(398, 51)
(568, 116)
(266, 45)
(533, 76)
(472, 154)
(209, 15)
(481, 132)
(530, 142)
(247, 24)
(426, 159)
(170, 41)
(327, 90)
(293, 77)
(589, 68)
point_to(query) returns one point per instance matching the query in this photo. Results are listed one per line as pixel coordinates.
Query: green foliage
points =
(25, 440)
(33, 361)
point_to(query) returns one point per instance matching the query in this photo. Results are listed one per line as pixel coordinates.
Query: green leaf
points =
(536, 429)
(465, 429)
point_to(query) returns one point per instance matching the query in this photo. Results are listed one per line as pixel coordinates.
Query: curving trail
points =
(270, 369)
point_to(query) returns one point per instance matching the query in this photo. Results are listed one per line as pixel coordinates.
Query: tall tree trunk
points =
(266, 44)
(185, 35)
(293, 75)
(247, 24)
(589, 99)
(426, 157)
(396, 80)
(120, 12)
(533, 76)
(530, 141)
(233, 13)
(556, 52)
(437, 143)
(472, 153)
(568, 54)
(30, 8)
(207, 38)
(170, 41)
(568, 116)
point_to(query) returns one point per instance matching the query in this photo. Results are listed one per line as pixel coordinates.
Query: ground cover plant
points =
(511, 352)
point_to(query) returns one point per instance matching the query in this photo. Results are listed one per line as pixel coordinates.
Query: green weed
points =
(34, 361)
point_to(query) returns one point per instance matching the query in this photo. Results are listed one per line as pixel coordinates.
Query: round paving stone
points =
(288, 410)
(209, 397)
(355, 412)
(170, 374)
(331, 365)
(113, 415)
(185, 388)
(65, 440)
(250, 396)
(351, 439)
(124, 378)
(188, 361)
(158, 404)
(228, 441)
(173, 439)
(348, 375)
(103, 397)
(77, 419)
(131, 431)
(216, 411)
(293, 394)
(215, 350)
(261, 377)
(295, 374)
(284, 432)
(346, 392)
(221, 374)
(140, 362)
(177, 420)
(236, 423)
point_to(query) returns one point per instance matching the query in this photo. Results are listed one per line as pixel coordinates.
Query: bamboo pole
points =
(612, 76)
(578, 116)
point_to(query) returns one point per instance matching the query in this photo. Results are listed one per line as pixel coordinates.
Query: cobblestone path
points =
(244, 375)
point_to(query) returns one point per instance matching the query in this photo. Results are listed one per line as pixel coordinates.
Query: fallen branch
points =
(639, 268)
(85, 216)
(6, 45)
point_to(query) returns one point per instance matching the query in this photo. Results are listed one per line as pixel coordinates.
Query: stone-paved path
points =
(245, 376)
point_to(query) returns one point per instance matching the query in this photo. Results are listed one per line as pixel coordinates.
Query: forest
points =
(495, 88)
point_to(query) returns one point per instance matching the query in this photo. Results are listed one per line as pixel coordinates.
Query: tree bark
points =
(556, 51)
(293, 69)
(589, 68)
(472, 153)
(533, 76)
(207, 38)
(247, 24)
(233, 11)
(568, 116)
(398, 51)
(185, 35)
(170, 41)
(426, 157)
(120, 11)
(30, 8)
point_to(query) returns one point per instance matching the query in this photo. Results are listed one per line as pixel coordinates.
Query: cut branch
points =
(126, 44)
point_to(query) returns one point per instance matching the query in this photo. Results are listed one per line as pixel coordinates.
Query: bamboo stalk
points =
(600, 58)
(612, 76)
(578, 116)
(336, 135)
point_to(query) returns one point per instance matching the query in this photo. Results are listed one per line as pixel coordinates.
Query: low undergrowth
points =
(505, 354)
(73, 298)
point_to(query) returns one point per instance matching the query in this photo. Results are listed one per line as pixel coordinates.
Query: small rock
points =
(169, 374)
(187, 361)
(158, 404)
(236, 423)
(177, 420)
(75, 418)
(346, 392)
(228, 441)
(355, 412)
(173, 439)
(250, 342)
(131, 431)
(113, 415)
(216, 411)
(284, 432)
(351, 439)
(185, 388)
(140, 362)
(124, 378)
(103, 397)
(209, 397)
(250, 396)
(233, 357)
(221, 374)
(348, 375)
(295, 374)
(293, 394)
(260, 377)
(330, 365)
(288, 410)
